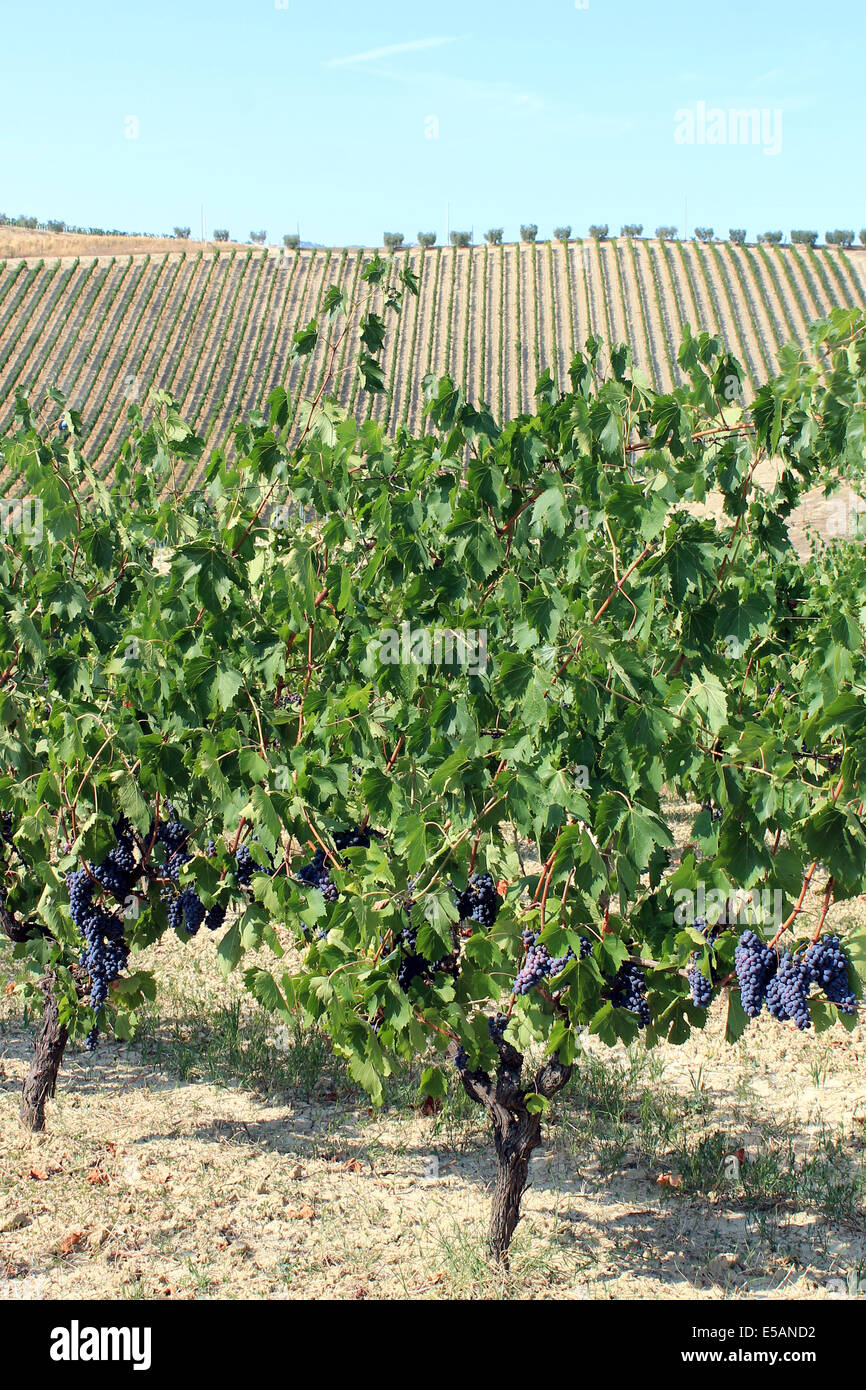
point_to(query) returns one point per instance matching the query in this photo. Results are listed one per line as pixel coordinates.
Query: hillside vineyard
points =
(215, 328)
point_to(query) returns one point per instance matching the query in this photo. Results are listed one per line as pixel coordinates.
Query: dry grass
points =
(18, 242)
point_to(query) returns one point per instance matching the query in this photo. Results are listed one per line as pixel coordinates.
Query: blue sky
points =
(348, 119)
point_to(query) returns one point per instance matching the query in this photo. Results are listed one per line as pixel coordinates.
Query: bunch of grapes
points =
(317, 875)
(412, 967)
(787, 992)
(702, 988)
(105, 954)
(118, 870)
(756, 965)
(6, 826)
(628, 991)
(246, 866)
(479, 902)
(539, 964)
(216, 915)
(174, 836)
(496, 1027)
(716, 812)
(105, 951)
(828, 965)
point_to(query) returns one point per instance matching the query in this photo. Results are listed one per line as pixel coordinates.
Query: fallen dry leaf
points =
(70, 1242)
(95, 1176)
(39, 1174)
(304, 1213)
(432, 1105)
(353, 1166)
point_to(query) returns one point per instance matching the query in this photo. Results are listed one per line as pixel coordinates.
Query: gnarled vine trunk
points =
(41, 1080)
(515, 1138)
(516, 1132)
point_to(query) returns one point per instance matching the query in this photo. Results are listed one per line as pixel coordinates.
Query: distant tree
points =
(863, 235)
(461, 238)
(771, 238)
(30, 223)
(801, 238)
(839, 238)
(182, 233)
(737, 235)
(259, 238)
(392, 240)
(493, 236)
(599, 230)
(632, 229)
(427, 239)
(666, 233)
(529, 233)
(291, 241)
(55, 226)
(704, 234)
(562, 233)
(221, 234)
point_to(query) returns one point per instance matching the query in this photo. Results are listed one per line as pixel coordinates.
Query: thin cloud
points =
(374, 54)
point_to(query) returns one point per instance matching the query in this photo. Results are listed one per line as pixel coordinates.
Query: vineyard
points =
(216, 327)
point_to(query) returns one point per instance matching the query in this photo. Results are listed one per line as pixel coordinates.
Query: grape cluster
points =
(105, 953)
(174, 836)
(755, 965)
(216, 915)
(479, 902)
(118, 870)
(628, 991)
(783, 984)
(788, 991)
(461, 1059)
(496, 1027)
(412, 967)
(716, 812)
(829, 967)
(539, 964)
(6, 825)
(317, 873)
(702, 988)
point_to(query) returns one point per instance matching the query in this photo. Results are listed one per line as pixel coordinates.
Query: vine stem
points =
(807, 879)
(828, 896)
(236, 841)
